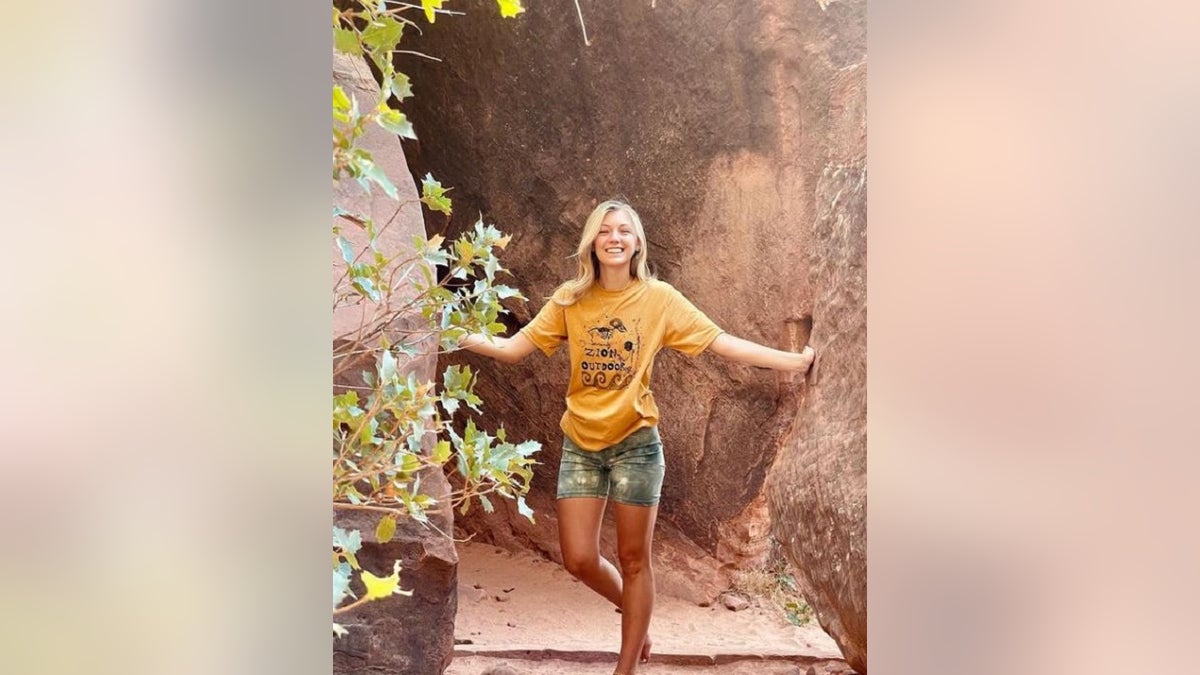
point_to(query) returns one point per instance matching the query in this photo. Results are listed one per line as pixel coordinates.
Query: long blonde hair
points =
(589, 267)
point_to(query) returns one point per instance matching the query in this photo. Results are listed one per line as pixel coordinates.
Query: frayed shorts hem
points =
(627, 502)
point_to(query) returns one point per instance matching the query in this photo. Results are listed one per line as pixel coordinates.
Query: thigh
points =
(579, 521)
(635, 529)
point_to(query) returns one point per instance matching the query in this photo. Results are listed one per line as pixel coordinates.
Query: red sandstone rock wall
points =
(400, 635)
(739, 133)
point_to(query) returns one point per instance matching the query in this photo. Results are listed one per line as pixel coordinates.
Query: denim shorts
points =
(631, 472)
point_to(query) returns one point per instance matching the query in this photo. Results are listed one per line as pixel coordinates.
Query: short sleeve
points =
(688, 329)
(548, 329)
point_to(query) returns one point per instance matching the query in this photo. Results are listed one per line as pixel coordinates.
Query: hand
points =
(810, 364)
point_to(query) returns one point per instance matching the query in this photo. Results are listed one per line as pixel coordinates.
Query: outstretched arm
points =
(503, 349)
(754, 354)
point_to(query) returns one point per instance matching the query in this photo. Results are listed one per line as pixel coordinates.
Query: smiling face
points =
(617, 241)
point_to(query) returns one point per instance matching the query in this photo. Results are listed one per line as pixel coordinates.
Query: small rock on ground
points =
(736, 603)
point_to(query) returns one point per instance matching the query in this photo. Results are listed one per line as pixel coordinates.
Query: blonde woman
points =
(615, 316)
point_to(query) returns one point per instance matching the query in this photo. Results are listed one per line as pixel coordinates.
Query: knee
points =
(634, 561)
(580, 565)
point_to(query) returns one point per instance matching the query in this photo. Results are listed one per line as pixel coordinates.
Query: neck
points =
(614, 280)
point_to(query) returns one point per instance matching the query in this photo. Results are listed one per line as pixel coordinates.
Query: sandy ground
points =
(530, 616)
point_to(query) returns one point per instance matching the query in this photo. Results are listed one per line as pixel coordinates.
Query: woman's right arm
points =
(503, 349)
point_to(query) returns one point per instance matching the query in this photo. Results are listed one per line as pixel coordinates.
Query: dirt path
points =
(527, 613)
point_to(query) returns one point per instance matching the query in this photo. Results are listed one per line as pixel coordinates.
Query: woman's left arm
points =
(754, 354)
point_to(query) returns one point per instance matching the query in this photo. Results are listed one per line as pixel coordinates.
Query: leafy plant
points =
(392, 429)
(798, 612)
(772, 583)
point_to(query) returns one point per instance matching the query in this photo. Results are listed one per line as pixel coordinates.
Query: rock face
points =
(719, 127)
(817, 491)
(400, 635)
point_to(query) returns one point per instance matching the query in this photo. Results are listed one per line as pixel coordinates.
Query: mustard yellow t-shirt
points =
(614, 337)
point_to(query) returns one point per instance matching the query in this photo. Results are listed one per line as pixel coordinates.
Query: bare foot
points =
(646, 650)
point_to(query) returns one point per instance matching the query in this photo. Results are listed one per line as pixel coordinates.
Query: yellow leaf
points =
(386, 529)
(503, 241)
(378, 588)
(436, 240)
(430, 6)
(510, 8)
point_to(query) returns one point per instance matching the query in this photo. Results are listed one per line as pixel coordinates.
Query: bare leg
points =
(579, 536)
(635, 529)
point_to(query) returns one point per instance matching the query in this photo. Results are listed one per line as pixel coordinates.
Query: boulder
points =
(399, 635)
(402, 635)
(718, 126)
(817, 492)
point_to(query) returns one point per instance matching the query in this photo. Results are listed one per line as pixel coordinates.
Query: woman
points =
(616, 316)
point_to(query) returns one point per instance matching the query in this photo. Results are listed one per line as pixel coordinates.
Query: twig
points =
(424, 56)
(581, 24)
(361, 601)
(436, 11)
(366, 507)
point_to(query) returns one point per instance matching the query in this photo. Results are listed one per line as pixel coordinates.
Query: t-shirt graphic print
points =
(610, 353)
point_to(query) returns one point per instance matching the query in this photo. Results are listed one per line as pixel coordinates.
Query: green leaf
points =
(341, 586)
(341, 103)
(430, 6)
(371, 171)
(487, 503)
(528, 448)
(506, 292)
(441, 452)
(401, 87)
(383, 34)
(387, 367)
(356, 218)
(524, 509)
(348, 253)
(346, 41)
(410, 463)
(367, 288)
(346, 400)
(386, 529)
(349, 542)
(366, 436)
(433, 194)
(395, 122)
(510, 8)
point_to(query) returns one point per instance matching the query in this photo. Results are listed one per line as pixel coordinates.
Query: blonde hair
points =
(589, 267)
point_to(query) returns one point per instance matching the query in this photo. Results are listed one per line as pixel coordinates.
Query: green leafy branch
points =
(391, 430)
